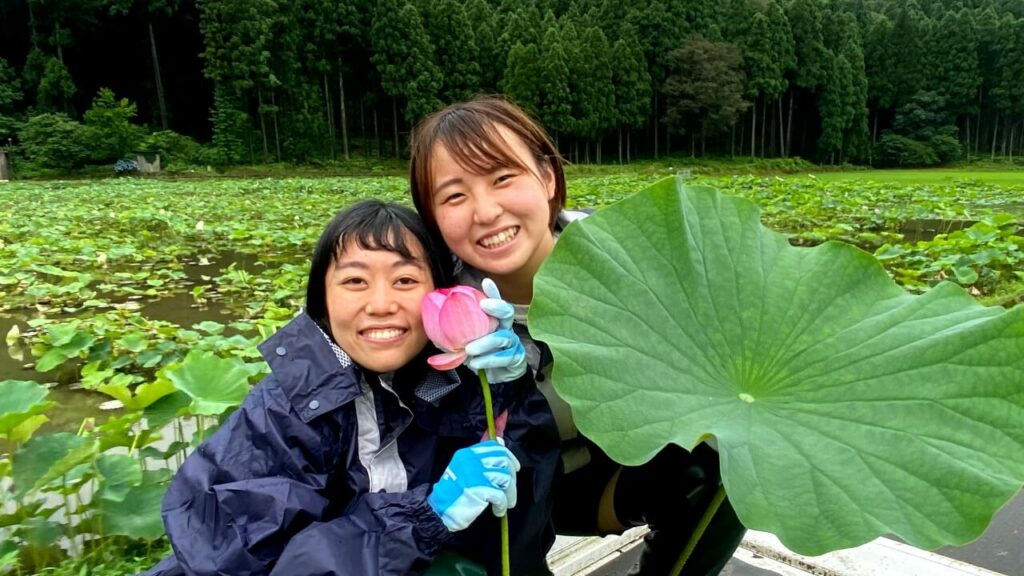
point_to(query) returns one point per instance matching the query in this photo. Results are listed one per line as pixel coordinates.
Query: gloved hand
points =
(500, 354)
(478, 475)
(494, 306)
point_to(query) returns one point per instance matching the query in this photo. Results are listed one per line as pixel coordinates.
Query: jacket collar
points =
(307, 369)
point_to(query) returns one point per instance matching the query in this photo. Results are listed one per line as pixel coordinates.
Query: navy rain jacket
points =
(280, 487)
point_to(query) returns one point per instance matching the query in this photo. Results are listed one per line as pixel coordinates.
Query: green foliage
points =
(985, 255)
(946, 148)
(405, 58)
(704, 89)
(112, 135)
(825, 386)
(173, 147)
(55, 141)
(55, 88)
(230, 128)
(894, 150)
(10, 95)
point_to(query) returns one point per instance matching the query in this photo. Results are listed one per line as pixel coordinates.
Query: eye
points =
(353, 282)
(504, 177)
(452, 197)
(407, 281)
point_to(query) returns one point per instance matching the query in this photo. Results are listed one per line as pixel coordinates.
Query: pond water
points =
(77, 403)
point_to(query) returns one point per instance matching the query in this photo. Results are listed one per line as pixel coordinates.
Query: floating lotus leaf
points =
(20, 400)
(215, 384)
(843, 407)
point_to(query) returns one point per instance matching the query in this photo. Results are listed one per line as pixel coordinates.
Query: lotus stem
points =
(716, 502)
(506, 569)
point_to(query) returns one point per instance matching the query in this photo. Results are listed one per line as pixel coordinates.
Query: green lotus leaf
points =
(44, 458)
(136, 515)
(843, 407)
(20, 400)
(215, 384)
(134, 342)
(120, 473)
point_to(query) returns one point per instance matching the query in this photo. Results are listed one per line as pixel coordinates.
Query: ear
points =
(548, 178)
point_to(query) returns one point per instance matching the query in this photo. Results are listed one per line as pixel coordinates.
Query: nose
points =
(487, 209)
(381, 301)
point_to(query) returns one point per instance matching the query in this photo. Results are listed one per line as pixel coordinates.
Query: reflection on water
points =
(178, 308)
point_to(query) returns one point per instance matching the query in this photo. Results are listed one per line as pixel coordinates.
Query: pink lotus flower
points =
(452, 318)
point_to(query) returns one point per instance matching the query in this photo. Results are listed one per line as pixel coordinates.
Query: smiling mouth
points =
(500, 239)
(383, 334)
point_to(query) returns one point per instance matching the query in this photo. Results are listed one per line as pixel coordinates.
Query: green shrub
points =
(173, 148)
(112, 134)
(55, 141)
(893, 150)
(946, 148)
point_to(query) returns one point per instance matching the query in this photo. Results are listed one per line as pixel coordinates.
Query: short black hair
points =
(372, 225)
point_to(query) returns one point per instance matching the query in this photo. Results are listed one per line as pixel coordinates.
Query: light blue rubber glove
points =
(479, 475)
(494, 306)
(499, 354)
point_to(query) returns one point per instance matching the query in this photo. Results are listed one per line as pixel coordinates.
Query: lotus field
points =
(132, 310)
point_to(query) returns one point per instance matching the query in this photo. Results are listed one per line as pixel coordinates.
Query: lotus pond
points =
(132, 309)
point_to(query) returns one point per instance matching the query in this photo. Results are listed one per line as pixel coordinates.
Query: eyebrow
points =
(448, 182)
(360, 265)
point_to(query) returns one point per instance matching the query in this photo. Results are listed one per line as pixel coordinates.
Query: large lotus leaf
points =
(215, 384)
(19, 401)
(120, 473)
(44, 458)
(844, 408)
(137, 514)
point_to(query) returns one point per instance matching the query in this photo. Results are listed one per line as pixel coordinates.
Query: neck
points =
(517, 287)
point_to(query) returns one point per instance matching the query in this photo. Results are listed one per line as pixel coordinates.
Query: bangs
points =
(381, 231)
(476, 145)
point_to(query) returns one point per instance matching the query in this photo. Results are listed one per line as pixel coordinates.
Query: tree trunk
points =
(967, 124)
(598, 145)
(995, 134)
(628, 160)
(362, 127)
(376, 134)
(782, 140)
(161, 101)
(732, 141)
(263, 124)
(693, 145)
(277, 131)
(32, 25)
(703, 138)
(344, 117)
(60, 48)
(655, 126)
(874, 132)
(789, 126)
(753, 129)
(1006, 134)
(5, 169)
(1013, 132)
(394, 122)
(330, 114)
(977, 129)
(764, 120)
(668, 141)
(620, 143)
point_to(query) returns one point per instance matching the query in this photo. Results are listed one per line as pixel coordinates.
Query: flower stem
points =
(699, 530)
(506, 569)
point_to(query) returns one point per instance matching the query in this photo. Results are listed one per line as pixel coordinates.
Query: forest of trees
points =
(887, 82)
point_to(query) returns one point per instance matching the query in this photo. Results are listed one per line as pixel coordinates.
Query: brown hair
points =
(468, 131)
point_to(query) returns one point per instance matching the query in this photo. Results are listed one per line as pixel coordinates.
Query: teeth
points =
(383, 334)
(499, 239)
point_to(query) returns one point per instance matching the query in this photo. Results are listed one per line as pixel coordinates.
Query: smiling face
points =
(373, 304)
(497, 221)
